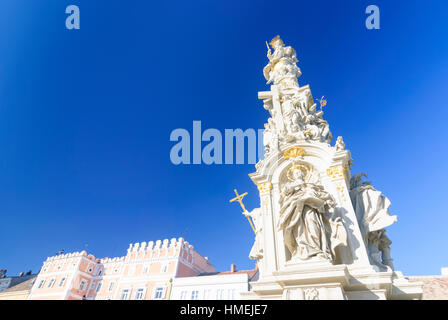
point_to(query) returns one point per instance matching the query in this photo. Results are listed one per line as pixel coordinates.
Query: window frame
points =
(82, 285)
(51, 282)
(125, 294)
(164, 268)
(41, 284)
(111, 286)
(62, 282)
(138, 291)
(219, 294)
(194, 294)
(162, 293)
(98, 286)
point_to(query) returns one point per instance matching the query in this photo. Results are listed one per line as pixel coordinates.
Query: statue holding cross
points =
(256, 252)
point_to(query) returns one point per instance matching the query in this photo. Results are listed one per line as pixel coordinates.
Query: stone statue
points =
(372, 211)
(282, 68)
(294, 116)
(317, 237)
(270, 137)
(378, 246)
(256, 253)
(291, 115)
(340, 145)
(308, 228)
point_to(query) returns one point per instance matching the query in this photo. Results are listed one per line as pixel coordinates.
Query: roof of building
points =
(434, 287)
(25, 285)
(250, 273)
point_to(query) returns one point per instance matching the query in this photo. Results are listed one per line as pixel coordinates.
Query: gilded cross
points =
(239, 198)
(322, 102)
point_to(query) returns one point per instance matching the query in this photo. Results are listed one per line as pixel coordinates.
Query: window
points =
(194, 295)
(50, 283)
(207, 294)
(99, 286)
(62, 282)
(231, 294)
(111, 286)
(219, 294)
(140, 294)
(146, 269)
(132, 270)
(183, 295)
(41, 284)
(158, 293)
(164, 268)
(124, 294)
(100, 272)
(82, 285)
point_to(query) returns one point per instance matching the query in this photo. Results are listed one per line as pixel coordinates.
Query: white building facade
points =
(215, 286)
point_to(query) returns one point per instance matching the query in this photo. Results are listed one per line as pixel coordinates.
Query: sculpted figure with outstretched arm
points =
(256, 253)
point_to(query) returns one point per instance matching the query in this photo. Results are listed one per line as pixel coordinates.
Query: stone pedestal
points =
(323, 281)
(309, 281)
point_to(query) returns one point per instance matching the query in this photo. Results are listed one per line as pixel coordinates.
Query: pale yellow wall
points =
(17, 295)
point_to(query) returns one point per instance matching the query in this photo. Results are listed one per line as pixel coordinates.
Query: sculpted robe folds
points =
(306, 229)
(371, 207)
(256, 252)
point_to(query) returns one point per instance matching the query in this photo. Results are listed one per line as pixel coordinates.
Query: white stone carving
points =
(282, 68)
(319, 234)
(308, 229)
(372, 211)
(311, 294)
(293, 112)
(256, 252)
(340, 145)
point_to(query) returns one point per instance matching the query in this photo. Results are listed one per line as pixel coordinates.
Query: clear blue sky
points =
(85, 119)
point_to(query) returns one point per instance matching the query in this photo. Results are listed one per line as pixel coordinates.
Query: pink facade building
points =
(145, 273)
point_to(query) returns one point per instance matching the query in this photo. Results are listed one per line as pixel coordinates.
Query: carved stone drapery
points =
(309, 229)
(372, 212)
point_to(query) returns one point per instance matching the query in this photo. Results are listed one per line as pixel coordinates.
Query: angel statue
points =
(307, 219)
(372, 211)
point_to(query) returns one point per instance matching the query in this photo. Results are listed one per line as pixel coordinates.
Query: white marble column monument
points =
(323, 232)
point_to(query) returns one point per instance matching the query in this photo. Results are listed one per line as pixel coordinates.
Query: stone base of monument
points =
(320, 280)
